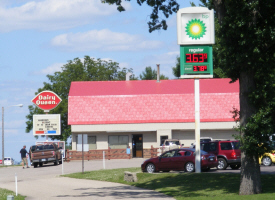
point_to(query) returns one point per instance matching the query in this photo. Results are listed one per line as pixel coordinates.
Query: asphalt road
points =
(45, 182)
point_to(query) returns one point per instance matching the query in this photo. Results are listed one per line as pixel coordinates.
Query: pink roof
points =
(124, 102)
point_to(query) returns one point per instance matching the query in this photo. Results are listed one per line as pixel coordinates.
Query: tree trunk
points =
(250, 182)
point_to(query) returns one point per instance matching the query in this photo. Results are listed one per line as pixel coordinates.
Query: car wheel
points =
(189, 167)
(235, 166)
(34, 165)
(266, 161)
(150, 168)
(222, 163)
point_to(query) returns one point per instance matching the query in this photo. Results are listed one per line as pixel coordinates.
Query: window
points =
(212, 146)
(162, 139)
(118, 141)
(236, 145)
(226, 146)
(92, 142)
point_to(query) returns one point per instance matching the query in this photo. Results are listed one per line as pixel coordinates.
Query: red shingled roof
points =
(124, 102)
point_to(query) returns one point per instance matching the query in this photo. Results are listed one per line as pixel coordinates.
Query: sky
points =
(38, 37)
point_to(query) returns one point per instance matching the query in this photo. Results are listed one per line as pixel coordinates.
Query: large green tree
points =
(151, 74)
(75, 70)
(246, 53)
(246, 38)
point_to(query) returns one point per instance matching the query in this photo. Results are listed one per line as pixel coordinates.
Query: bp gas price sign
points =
(46, 124)
(196, 61)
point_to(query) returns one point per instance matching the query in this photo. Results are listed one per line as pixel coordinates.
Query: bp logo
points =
(195, 29)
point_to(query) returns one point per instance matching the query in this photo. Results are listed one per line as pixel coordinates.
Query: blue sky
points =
(38, 37)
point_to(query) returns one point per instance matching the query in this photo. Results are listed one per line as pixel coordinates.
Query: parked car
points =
(8, 161)
(179, 160)
(170, 144)
(227, 151)
(267, 159)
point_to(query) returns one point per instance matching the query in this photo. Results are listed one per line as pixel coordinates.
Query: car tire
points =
(235, 166)
(35, 165)
(266, 161)
(222, 164)
(150, 168)
(189, 167)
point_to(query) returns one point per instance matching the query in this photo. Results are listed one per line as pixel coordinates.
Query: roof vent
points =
(128, 76)
(157, 72)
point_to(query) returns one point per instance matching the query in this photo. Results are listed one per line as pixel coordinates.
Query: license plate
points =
(43, 160)
(211, 159)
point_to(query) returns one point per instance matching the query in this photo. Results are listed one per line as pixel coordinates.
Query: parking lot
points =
(45, 181)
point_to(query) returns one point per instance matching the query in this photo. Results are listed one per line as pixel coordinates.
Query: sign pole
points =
(197, 126)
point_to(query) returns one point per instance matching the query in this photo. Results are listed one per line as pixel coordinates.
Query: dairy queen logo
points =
(46, 100)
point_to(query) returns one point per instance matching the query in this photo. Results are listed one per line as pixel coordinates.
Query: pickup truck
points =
(43, 154)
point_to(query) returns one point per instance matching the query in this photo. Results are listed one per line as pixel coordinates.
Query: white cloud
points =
(54, 14)
(103, 40)
(56, 67)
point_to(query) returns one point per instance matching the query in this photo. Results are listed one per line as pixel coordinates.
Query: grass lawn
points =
(187, 186)
(4, 193)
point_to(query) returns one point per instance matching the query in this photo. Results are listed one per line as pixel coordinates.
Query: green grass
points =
(4, 193)
(187, 186)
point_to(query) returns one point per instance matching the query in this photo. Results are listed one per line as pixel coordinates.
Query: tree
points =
(165, 7)
(247, 39)
(150, 74)
(75, 70)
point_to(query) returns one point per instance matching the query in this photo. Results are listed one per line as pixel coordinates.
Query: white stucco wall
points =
(152, 132)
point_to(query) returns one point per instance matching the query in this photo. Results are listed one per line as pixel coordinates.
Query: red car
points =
(179, 160)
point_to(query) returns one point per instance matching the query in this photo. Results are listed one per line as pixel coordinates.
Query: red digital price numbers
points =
(199, 68)
(196, 57)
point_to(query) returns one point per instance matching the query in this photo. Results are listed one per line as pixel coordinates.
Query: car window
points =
(181, 153)
(226, 146)
(211, 146)
(168, 154)
(236, 145)
(187, 153)
(33, 148)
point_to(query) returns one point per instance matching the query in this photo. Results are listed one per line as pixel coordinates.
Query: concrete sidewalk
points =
(45, 182)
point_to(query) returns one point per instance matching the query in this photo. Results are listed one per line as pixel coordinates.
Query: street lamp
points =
(19, 105)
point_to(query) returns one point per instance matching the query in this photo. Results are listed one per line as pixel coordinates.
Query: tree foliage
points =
(247, 36)
(164, 7)
(151, 74)
(75, 70)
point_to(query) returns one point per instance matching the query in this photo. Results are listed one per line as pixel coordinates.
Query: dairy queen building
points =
(139, 115)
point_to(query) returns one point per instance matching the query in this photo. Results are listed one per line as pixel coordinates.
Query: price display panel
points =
(196, 61)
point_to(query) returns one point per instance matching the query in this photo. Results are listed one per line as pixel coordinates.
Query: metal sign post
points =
(197, 126)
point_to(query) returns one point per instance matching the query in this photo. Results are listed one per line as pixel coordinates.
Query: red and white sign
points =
(46, 100)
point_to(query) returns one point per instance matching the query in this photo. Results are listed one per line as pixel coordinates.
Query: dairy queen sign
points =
(46, 100)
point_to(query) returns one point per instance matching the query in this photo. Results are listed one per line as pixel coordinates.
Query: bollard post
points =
(16, 184)
(103, 159)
